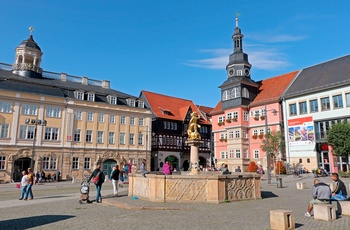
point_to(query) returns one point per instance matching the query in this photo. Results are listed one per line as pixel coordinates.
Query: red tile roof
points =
(272, 89)
(177, 108)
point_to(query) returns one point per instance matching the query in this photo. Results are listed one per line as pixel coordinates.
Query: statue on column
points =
(193, 127)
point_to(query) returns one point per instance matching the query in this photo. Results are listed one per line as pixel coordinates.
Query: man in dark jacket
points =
(322, 195)
(339, 192)
(98, 174)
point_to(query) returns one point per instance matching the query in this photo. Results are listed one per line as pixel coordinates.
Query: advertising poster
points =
(301, 136)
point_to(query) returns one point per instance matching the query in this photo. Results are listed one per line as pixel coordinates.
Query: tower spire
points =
(31, 28)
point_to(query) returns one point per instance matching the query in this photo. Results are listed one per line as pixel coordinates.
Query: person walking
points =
(115, 179)
(121, 178)
(24, 184)
(321, 193)
(31, 182)
(167, 168)
(99, 179)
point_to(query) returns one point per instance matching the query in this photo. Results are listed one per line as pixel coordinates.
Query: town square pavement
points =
(56, 206)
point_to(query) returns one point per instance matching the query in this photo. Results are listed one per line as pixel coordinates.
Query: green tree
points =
(338, 136)
(276, 144)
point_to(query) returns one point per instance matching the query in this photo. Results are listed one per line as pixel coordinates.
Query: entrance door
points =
(323, 160)
(108, 166)
(20, 165)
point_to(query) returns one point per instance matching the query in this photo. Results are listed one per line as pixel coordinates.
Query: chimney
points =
(105, 84)
(63, 77)
(84, 80)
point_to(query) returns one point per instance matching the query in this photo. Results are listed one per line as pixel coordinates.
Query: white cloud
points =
(277, 38)
(259, 57)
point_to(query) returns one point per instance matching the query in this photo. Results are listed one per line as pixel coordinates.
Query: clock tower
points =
(239, 89)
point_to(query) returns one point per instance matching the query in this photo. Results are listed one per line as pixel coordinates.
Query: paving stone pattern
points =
(55, 206)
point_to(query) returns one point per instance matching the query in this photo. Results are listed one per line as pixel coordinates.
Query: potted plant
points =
(261, 136)
(256, 118)
(234, 119)
(228, 120)
(262, 118)
(255, 136)
(220, 123)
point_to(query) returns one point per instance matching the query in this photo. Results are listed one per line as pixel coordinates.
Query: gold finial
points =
(31, 28)
(237, 15)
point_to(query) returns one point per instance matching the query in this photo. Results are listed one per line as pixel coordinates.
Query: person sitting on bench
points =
(339, 193)
(321, 193)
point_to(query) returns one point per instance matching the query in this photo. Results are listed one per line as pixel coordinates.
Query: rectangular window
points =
(101, 117)
(231, 153)
(230, 135)
(337, 102)
(314, 105)
(141, 121)
(2, 162)
(112, 119)
(255, 132)
(90, 116)
(256, 154)
(131, 139)
(221, 119)
(235, 115)
(5, 107)
(245, 116)
(229, 116)
(238, 153)
(77, 135)
(292, 109)
(222, 155)
(79, 115)
(140, 139)
(111, 138)
(99, 137)
(46, 162)
(132, 103)
(4, 130)
(29, 109)
(347, 96)
(122, 120)
(132, 120)
(87, 163)
(308, 160)
(325, 105)
(80, 96)
(91, 97)
(53, 112)
(88, 137)
(262, 131)
(75, 163)
(141, 104)
(237, 134)
(51, 134)
(26, 132)
(300, 160)
(53, 163)
(122, 138)
(302, 107)
(113, 100)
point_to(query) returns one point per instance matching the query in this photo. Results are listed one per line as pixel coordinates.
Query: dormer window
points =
(112, 100)
(131, 103)
(141, 104)
(245, 93)
(91, 97)
(79, 95)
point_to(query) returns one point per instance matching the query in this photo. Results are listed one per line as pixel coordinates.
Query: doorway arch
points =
(18, 166)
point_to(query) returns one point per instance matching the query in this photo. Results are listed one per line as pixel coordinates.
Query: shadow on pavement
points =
(50, 197)
(267, 194)
(298, 225)
(31, 222)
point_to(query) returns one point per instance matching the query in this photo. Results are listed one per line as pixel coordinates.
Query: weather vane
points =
(31, 28)
(237, 15)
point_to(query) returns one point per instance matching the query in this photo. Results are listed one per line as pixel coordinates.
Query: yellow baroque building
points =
(58, 122)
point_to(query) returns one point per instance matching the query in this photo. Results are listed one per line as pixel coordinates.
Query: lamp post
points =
(268, 156)
(35, 122)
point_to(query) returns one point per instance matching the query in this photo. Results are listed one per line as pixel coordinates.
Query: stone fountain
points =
(211, 187)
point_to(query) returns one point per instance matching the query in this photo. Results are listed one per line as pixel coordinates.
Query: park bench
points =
(281, 219)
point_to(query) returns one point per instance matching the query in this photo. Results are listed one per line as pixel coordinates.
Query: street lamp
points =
(35, 122)
(268, 156)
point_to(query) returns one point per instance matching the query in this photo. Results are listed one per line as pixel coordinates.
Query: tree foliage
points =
(276, 144)
(280, 168)
(339, 137)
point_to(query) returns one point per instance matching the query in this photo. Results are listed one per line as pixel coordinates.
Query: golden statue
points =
(193, 127)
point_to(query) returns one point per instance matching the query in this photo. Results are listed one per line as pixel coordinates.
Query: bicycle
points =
(297, 173)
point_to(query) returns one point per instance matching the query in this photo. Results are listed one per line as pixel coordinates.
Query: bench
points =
(282, 219)
(301, 185)
(343, 207)
(324, 212)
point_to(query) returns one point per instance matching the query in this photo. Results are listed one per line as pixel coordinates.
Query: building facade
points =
(58, 122)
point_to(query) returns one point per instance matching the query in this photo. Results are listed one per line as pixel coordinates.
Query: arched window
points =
(225, 95)
(235, 92)
(245, 93)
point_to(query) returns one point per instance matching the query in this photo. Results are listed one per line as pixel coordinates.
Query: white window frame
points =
(111, 138)
(112, 119)
(4, 130)
(2, 162)
(80, 95)
(122, 138)
(79, 115)
(28, 109)
(90, 97)
(99, 137)
(101, 117)
(5, 107)
(77, 135)
(90, 116)
(88, 136)
(51, 134)
(131, 138)
(141, 121)
(122, 120)
(53, 112)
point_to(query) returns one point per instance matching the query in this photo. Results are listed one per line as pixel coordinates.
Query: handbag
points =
(96, 178)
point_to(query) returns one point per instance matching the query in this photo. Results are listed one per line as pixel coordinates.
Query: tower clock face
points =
(246, 72)
(231, 72)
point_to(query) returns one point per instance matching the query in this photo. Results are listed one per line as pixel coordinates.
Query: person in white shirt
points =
(24, 184)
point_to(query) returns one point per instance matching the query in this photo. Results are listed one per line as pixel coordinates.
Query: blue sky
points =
(178, 48)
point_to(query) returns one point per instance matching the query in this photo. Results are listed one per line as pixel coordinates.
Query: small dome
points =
(30, 43)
